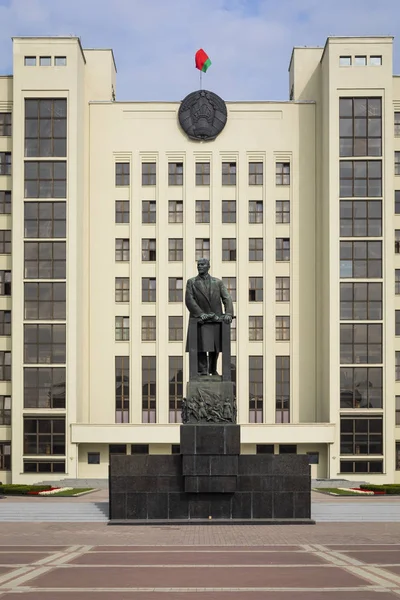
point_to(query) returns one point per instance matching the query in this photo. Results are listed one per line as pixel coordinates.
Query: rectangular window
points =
(361, 301)
(117, 449)
(175, 211)
(5, 241)
(361, 259)
(175, 289)
(5, 163)
(5, 283)
(282, 389)
(93, 458)
(361, 387)
(149, 389)
(360, 344)
(202, 211)
(121, 329)
(345, 61)
(46, 127)
(397, 163)
(45, 260)
(45, 179)
(256, 289)
(396, 202)
(149, 211)
(48, 466)
(229, 249)
(5, 456)
(121, 390)
(5, 410)
(360, 126)
(256, 249)
(149, 173)
(282, 173)
(122, 211)
(44, 436)
(149, 253)
(30, 61)
(44, 344)
(60, 61)
(44, 387)
(175, 377)
(375, 61)
(397, 322)
(230, 284)
(5, 322)
(282, 289)
(122, 250)
(396, 282)
(228, 173)
(44, 301)
(5, 124)
(256, 393)
(256, 211)
(397, 241)
(203, 173)
(175, 173)
(397, 366)
(287, 449)
(360, 178)
(360, 218)
(265, 448)
(5, 366)
(122, 289)
(175, 249)
(45, 61)
(149, 289)
(282, 249)
(256, 328)
(175, 329)
(397, 410)
(202, 248)
(122, 174)
(282, 211)
(282, 328)
(229, 211)
(361, 435)
(5, 203)
(139, 448)
(45, 219)
(256, 174)
(397, 456)
(149, 330)
(360, 61)
(397, 124)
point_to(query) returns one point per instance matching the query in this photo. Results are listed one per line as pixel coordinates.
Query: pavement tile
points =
(184, 595)
(380, 557)
(21, 558)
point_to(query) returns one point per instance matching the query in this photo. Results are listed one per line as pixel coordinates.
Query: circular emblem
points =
(202, 115)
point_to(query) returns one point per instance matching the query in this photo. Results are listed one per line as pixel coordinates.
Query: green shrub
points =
(21, 490)
(389, 488)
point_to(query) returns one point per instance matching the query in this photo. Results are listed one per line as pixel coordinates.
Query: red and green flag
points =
(202, 61)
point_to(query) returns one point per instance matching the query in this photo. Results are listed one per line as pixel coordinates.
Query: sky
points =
(154, 41)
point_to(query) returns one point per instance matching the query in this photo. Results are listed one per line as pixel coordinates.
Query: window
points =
(313, 458)
(345, 61)
(397, 456)
(397, 163)
(149, 253)
(5, 366)
(121, 250)
(396, 282)
(287, 449)
(175, 329)
(46, 127)
(360, 126)
(282, 249)
(175, 173)
(30, 61)
(122, 289)
(44, 301)
(93, 458)
(48, 466)
(149, 173)
(282, 212)
(149, 330)
(121, 328)
(5, 203)
(45, 260)
(256, 290)
(5, 241)
(45, 219)
(397, 322)
(202, 248)
(265, 449)
(397, 410)
(396, 202)
(5, 124)
(122, 211)
(360, 218)
(361, 301)
(360, 259)
(5, 322)
(360, 61)
(44, 436)
(175, 449)
(282, 173)
(175, 249)
(44, 387)
(149, 211)
(45, 61)
(5, 456)
(230, 284)
(228, 173)
(121, 391)
(122, 173)
(256, 174)
(256, 249)
(5, 410)
(256, 211)
(60, 61)
(175, 211)
(360, 343)
(139, 448)
(229, 211)
(149, 389)
(282, 328)
(397, 366)
(45, 179)
(44, 344)
(397, 124)
(117, 449)
(361, 387)
(5, 283)
(175, 289)
(361, 435)
(375, 61)
(175, 378)
(360, 178)
(255, 328)
(149, 289)
(229, 249)
(5, 163)
(256, 393)
(282, 390)
(282, 289)
(202, 173)
(202, 211)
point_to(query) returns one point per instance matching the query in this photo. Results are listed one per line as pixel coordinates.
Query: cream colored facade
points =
(302, 133)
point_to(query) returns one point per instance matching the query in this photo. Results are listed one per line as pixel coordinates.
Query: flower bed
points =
(51, 491)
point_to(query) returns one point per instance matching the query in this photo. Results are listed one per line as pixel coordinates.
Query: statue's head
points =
(203, 265)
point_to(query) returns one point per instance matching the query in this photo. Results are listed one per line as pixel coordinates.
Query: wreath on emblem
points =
(202, 115)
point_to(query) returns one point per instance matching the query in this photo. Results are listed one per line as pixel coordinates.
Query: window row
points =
(44, 435)
(44, 179)
(361, 435)
(44, 260)
(360, 61)
(45, 61)
(44, 344)
(360, 178)
(45, 219)
(360, 343)
(361, 260)
(5, 163)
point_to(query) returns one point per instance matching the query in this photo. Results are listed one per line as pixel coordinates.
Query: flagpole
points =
(201, 79)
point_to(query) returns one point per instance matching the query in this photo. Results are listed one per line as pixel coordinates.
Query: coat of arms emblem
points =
(202, 115)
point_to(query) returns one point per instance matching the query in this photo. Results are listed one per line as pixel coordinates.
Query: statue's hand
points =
(204, 317)
(227, 319)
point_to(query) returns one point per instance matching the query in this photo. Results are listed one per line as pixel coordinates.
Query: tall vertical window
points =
(175, 173)
(175, 289)
(175, 329)
(230, 284)
(397, 366)
(5, 456)
(5, 366)
(282, 173)
(122, 389)
(5, 241)
(229, 211)
(122, 174)
(5, 203)
(149, 329)
(397, 163)
(360, 178)
(122, 289)
(397, 409)
(149, 252)
(5, 410)
(46, 127)
(122, 250)
(256, 393)
(256, 328)
(228, 173)
(396, 282)
(202, 173)
(397, 322)
(149, 173)
(282, 211)
(149, 211)
(256, 211)
(256, 174)
(282, 328)
(175, 377)
(396, 202)
(5, 283)
(360, 126)
(256, 289)
(175, 211)
(202, 211)
(397, 241)
(282, 249)
(5, 163)
(256, 249)
(202, 248)
(5, 322)
(229, 249)
(397, 124)
(45, 179)
(149, 289)
(282, 389)
(149, 389)
(122, 211)
(282, 289)
(5, 124)
(397, 456)
(121, 328)
(175, 249)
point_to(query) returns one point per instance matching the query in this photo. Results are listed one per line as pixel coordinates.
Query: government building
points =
(105, 208)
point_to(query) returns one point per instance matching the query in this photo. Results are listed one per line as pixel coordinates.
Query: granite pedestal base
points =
(210, 480)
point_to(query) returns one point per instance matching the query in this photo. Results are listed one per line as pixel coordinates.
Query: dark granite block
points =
(292, 483)
(157, 506)
(178, 506)
(262, 505)
(210, 439)
(144, 464)
(290, 464)
(232, 439)
(255, 464)
(255, 483)
(136, 506)
(119, 484)
(169, 484)
(302, 505)
(198, 465)
(199, 507)
(220, 507)
(118, 506)
(187, 440)
(283, 505)
(139, 483)
(204, 484)
(241, 505)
